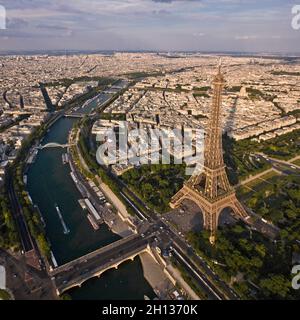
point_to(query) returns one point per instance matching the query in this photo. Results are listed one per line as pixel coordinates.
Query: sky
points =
(163, 25)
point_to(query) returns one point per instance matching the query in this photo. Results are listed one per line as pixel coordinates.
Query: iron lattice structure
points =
(210, 189)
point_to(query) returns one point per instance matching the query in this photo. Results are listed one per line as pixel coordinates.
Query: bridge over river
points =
(54, 145)
(74, 115)
(76, 272)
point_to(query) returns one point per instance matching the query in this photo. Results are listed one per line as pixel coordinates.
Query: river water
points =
(50, 184)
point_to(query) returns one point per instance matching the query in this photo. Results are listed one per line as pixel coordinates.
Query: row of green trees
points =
(8, 233)
(156, 184)
(9, 238)
(31, 214)
(257, 267)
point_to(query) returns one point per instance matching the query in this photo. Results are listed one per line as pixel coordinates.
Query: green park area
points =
(138, 75)
(285, 73)
(279, 202)
(247, 190)
(239, 159)
(256, 267)
(284, 147)
(240, 162)
(156, 184)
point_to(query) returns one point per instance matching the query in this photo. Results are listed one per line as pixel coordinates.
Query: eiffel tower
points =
(210, 189)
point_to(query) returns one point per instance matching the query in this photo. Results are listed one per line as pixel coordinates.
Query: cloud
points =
(161, 12)
(16, 23)
(246, 37)
(163, 1)
(198, 34)
(166, 24)
(170, 1)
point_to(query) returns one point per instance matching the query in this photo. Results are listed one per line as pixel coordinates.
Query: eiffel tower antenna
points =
(220, 64)
(211, 189)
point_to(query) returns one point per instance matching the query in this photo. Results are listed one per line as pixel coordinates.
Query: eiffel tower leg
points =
(177, 199)
(238, 209)
(210, 224)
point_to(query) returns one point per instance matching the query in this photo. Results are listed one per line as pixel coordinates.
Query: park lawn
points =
(279, 202)
(257, 184)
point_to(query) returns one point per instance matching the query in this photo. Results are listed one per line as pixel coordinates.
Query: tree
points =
(276, 286)
(43, 244)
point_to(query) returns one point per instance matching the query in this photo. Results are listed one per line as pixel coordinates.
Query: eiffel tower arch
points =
(211, 189)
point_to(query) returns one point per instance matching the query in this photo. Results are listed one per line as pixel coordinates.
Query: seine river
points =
(50, 183)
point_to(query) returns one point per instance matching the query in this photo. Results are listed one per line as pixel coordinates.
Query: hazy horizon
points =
(246, 26)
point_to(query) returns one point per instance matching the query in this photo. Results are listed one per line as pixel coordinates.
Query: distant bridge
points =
(74, 115)
(76, 272)
(54, 145)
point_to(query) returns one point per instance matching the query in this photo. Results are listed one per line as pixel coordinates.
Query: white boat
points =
(66, 229)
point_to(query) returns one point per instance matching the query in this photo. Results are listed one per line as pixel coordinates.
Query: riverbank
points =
(156, 277)
(175, 273)
(114, 221)
(117, 225)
